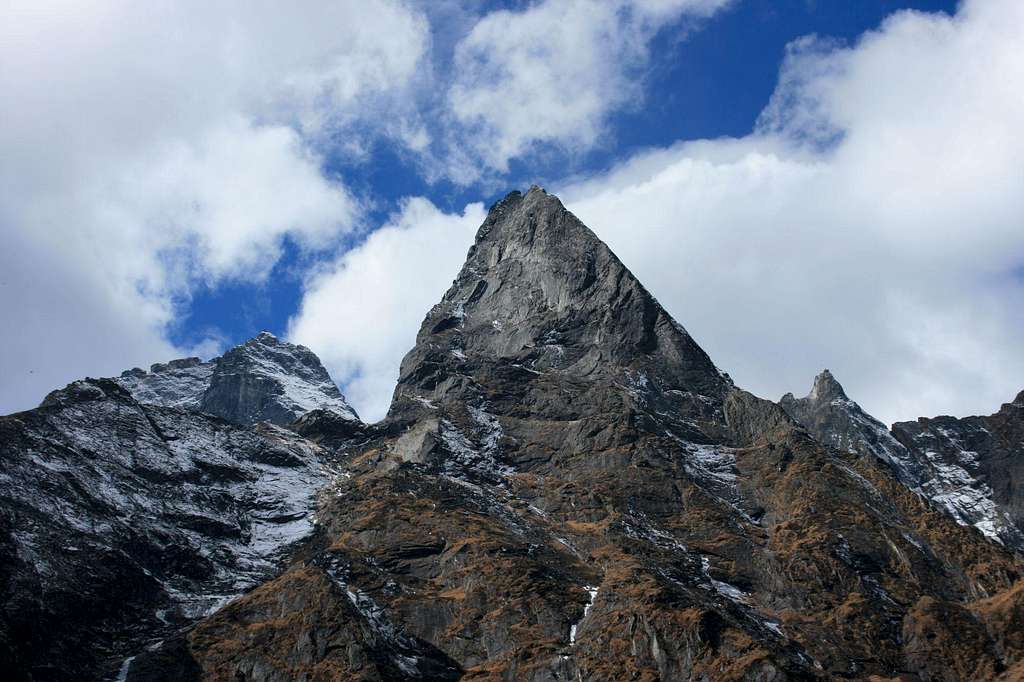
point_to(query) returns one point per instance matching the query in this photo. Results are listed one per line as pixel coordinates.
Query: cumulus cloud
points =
(870, 224)
(147, 147)
(551, 75)
(361, 313)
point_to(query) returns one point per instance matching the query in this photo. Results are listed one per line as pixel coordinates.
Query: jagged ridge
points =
(566, 487)
(261, 379)
(969, 468)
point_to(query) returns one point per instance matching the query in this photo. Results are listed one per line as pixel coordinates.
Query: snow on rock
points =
(186, 509)
(937, 458)
(592, 591)
(406, 653)
(723, 588)
(178, 383)
(477, 453)
(262, 379)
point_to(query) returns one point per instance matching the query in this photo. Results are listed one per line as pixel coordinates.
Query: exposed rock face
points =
(971, 468)
(837, 421)
(974, 467)
(567, 488)
(122, 522)
(264, 379)
(267, 379)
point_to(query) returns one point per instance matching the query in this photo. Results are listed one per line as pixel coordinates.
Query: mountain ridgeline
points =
(565, 487)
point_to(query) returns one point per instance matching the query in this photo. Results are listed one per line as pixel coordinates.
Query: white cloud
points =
(149, 146)
(361, 314)
(552, 74)
(871, 224)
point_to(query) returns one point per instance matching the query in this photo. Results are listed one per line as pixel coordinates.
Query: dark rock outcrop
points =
(124, 522)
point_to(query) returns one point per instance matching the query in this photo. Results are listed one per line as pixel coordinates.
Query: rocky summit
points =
(264, 379)
(565, 487)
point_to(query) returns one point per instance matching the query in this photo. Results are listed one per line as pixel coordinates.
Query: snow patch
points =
(591, 596)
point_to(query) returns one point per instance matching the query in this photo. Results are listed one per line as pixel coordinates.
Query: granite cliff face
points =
(567, 488)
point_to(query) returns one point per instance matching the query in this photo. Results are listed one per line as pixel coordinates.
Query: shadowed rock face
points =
(566, 487)
(122, 523)
(264, 379)
(970, 468)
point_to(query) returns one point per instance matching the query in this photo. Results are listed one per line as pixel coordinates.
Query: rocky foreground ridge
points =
(565, 488)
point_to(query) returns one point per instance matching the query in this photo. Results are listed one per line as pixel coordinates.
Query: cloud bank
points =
(362, 312)
(870, 224)
(148, 147)
(553, 74)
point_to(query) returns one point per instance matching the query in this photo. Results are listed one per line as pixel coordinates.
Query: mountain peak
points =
(1019, 400)
(264, 378)
(264, 337)
(517, 217)
(540, 291)
(826, 388)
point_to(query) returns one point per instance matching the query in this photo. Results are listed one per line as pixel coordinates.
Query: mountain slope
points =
(971, 468)
(123, 522)
(567, 488)
(975, 467)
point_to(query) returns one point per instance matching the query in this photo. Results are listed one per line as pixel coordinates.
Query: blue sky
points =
(712, 83)
(803, 183)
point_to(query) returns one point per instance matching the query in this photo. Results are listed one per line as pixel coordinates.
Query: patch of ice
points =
(387, 630)
(966, 499)
(591, 596)
(638, 527)
(122, 674)
(527, 369)
(637, 384)
(725, 589)
(712, 462)
(404, 652)
(538, 511)
(467, 456)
